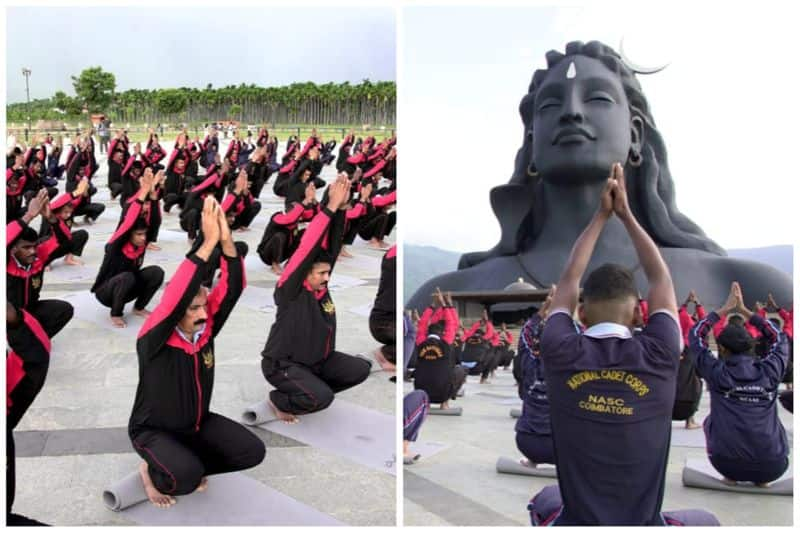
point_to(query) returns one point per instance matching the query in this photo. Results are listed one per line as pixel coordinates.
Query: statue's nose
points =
(572, 108)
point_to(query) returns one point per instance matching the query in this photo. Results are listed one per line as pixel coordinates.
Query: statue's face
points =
(581, 124)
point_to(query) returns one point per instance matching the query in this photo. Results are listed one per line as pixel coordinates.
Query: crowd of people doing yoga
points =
(171, 426)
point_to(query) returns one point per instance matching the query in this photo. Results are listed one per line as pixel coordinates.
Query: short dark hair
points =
(736, 339)
(140, 224)
(609, 282)
(436, 328)
(323, 256)
(736, 320)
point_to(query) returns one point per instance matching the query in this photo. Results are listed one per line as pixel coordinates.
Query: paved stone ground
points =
(459, 486)
(72, 443)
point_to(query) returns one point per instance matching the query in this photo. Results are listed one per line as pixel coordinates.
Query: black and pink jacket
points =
(23, 285)
(304, 331)
(121, 255)
(26, 366)
(176, 374)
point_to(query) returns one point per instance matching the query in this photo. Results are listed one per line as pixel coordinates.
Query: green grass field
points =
(138, 132)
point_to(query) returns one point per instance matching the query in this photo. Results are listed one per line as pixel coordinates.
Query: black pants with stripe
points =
(53, 315)
(126, 286)
(177, 462)
(301, 390)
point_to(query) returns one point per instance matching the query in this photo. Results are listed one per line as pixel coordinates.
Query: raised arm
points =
(568, 287)
(232, 279)
(662, 291)
(422, 325)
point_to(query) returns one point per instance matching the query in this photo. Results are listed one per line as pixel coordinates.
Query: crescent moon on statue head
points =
(637, 68)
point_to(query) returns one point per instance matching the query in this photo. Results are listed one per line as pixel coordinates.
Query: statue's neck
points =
(569, 210)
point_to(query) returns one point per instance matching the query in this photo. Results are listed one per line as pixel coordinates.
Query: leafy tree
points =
(235, 111)
(95, 88)
(66, 103)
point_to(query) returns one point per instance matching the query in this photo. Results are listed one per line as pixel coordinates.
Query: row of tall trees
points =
(299, 103)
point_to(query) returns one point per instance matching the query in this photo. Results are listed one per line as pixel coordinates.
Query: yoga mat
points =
(427, 448)
(258, 298)
(231, 499)
(253, 263)
(89, 309)
(511, 401)
(359, 434)
(452, 411)
(700, 473)
(690, 438)
(515, 412)
(506, 465)
(362, 261)
(258, 413)
(125, 493)
(171, 235)
(362, 310)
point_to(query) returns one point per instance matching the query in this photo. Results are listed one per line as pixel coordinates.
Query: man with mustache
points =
(300, 358)
(171, 426)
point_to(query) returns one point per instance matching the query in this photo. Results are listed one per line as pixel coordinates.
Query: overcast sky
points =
(726, 107)
(192, 46)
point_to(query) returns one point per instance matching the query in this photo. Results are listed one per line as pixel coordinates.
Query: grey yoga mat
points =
(700, 473)
(506, 465)
(362, 435)
(452, 411)
(426, 449)
(231, 499)
(515, 412)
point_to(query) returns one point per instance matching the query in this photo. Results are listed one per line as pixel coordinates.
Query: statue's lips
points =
(572, 136)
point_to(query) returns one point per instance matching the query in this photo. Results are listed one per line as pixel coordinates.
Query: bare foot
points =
(88, 220)
(287, 418)
(118, 322)
(202, 486)
(374, 243)
(161, 501)
(762, 485)
(153, 246)
(485, 381)
(47, 268)
(243, 229)
(141, 312)
(344, 253)
(444, 405)
(276, 269)
(524, 462)
(385, 364)
(691, 424)
(728, 481)
(72, 260)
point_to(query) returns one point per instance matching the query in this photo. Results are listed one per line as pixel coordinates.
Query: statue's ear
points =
(637, 134)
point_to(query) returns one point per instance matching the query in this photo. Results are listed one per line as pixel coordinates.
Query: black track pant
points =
(352, 230)
(536, 448)
(277, 248)
(91, 210)
(301, 390)
(190, 222)
(75, 247)
(243, 219)
(11, 486)
(177, 462)
(378, 226)
(127, 286)
(53, 315)
(385, 332)
(171, 199)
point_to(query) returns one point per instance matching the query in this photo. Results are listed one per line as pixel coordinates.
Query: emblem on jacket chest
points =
(328, 307)
(208, 358)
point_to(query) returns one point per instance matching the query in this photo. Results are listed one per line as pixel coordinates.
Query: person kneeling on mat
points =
(745, 438)
(611, 392)
(438, 372)
(534, 437)
(171, 426)
(300, 358)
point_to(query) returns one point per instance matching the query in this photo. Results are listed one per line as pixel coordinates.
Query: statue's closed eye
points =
(600, 96)
(549, 102)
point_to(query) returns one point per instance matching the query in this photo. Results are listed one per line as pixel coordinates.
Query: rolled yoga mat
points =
(230, 499)
(700, 473)
(515, 412)
(125, 493)
(452, 411)
(362, 435)
(507, 465)
(258, 413)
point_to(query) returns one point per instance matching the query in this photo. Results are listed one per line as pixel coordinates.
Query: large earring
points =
(634, 158)
(531, 170)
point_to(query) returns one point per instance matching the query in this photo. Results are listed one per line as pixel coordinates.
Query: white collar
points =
(20, 265)
(603, 330)
(195, 337)
(435, 336)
